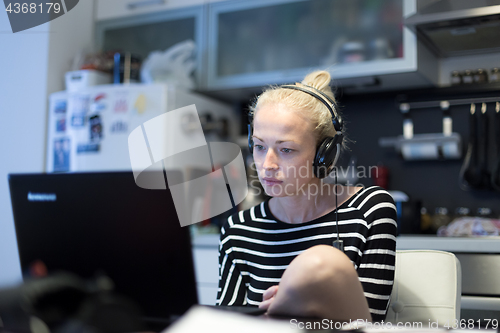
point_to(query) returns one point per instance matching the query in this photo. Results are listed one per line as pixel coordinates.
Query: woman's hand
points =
(268, 297)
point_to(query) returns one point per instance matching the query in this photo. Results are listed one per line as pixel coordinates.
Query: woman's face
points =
(284, 148)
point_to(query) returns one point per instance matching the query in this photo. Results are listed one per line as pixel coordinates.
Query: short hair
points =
(303, 103)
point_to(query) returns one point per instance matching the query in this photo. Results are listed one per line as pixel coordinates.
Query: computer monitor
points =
(92, 223)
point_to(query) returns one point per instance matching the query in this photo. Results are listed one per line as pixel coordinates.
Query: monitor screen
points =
(94, 223)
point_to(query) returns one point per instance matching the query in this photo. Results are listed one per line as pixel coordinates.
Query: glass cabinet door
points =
(146, 33)
(252, 42)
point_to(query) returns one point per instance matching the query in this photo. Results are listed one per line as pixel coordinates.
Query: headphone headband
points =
(337, 122)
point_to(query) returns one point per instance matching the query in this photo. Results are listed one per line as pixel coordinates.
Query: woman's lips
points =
(271, 181)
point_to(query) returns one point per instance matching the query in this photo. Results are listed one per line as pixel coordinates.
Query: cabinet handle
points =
(136, 4)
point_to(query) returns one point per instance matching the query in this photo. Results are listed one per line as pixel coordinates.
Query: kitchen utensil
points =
(483, 143)
(470, 173)
(495, 174)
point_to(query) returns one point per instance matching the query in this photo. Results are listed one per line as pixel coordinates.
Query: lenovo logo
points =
(42, 196)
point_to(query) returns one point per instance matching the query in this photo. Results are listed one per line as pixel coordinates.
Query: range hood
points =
(457, 27)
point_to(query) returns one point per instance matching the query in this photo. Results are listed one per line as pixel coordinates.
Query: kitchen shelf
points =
(470, 88)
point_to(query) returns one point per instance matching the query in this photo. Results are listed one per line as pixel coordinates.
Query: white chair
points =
(427, 288)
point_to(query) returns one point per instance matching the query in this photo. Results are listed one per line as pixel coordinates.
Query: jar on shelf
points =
(484, 212)
(456, 78)
(495, 75)
(425, 220)
(467, 77)
(461, 212)
(353, 51)
(480, 76)
(440, 219)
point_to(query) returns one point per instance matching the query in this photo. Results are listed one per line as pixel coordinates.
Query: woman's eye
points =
(259, 147)
(287, 150)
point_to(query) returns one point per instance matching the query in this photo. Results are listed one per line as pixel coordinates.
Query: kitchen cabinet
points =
(254, 43)
(249, 44)
(147, 32)
(108, 9)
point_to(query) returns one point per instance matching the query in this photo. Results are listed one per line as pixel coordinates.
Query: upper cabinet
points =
(108, 9)
(142, 34)
(253, 43)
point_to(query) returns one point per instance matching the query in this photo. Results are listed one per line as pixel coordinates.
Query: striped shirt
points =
(256, 248)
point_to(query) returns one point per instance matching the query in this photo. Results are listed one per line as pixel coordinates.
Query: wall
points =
(33, 65)
(23, 87)
(435, 183)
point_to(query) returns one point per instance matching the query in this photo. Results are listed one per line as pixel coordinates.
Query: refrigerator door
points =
(89, 129)
(98, 121)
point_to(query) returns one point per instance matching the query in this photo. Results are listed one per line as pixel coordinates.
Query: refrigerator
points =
(88, 129)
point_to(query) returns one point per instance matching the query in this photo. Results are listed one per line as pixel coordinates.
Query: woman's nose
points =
(270, 160)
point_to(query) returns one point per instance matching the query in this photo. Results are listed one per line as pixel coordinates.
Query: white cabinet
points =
(143, 33)
(258, 42)
(108, 9)
(253, 43)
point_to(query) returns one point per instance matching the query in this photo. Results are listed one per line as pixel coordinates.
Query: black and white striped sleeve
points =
(232, 289)
(376, 270)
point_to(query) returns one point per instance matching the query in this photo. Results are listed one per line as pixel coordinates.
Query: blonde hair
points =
(303, 103)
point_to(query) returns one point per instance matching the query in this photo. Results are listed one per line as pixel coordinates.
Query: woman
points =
(279, 254)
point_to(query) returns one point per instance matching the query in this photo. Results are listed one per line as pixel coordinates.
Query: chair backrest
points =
(427, 288)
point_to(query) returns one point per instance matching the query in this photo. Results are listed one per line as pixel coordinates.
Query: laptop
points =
(103, 223)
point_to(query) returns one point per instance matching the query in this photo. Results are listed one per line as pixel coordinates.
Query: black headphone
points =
(327, 152)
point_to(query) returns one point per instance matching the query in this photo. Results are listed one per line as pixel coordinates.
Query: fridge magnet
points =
(98, 103)
(78, 120)
(79, 106)
(99, 97)
(120, 104)
(95, 128)
(61, 154)
(119, 126)
(87, 148)
(140, 104)
(60, 106)
(61, 125)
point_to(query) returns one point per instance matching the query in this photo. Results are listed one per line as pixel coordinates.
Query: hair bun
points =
(319, 80)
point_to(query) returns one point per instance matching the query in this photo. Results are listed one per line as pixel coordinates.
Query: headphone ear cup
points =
(250, 141)
(327, 155)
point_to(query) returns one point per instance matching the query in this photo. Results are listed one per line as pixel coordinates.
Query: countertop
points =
(206, 241)
(406, 242)
(486, 244)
